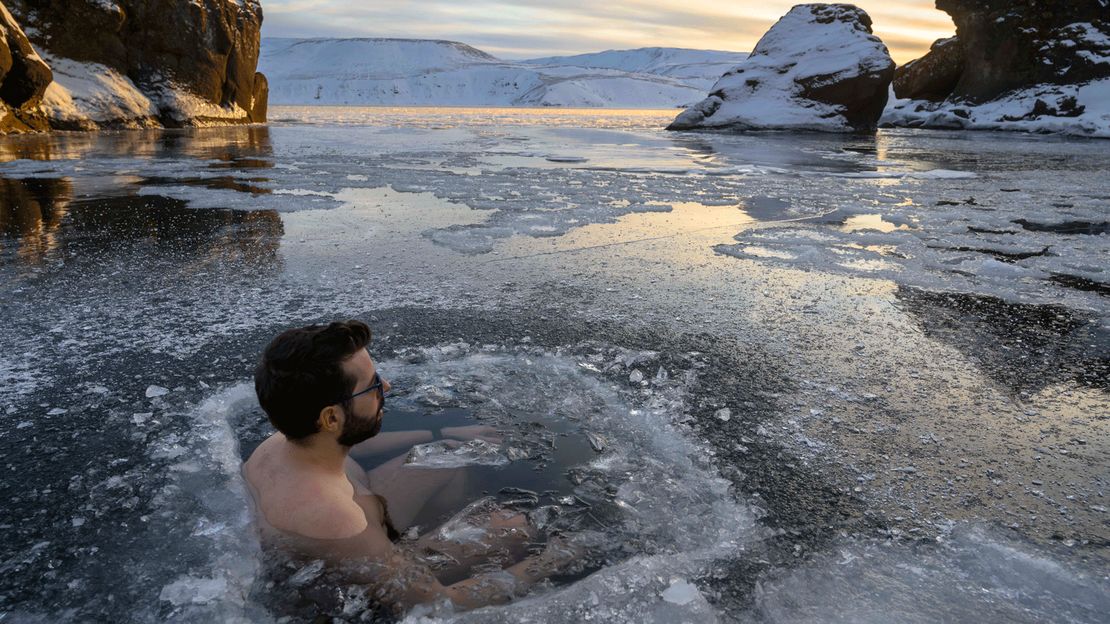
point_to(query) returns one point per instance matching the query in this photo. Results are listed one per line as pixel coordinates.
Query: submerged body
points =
(315, 501)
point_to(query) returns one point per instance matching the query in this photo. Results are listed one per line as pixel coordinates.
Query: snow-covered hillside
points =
(410, 72)
(699, 68)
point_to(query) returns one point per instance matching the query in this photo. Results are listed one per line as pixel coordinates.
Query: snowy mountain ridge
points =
(675, 62)
(424, 72)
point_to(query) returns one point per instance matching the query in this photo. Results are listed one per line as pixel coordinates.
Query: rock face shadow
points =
(1025, 348)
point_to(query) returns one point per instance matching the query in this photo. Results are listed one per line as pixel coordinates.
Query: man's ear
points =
(329, 419)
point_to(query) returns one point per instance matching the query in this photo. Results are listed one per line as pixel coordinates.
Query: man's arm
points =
(397, 579)
(391, 442)
(404, 583)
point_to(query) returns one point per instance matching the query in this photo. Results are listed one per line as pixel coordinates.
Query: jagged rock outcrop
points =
(1013, 44)
(1036, 65)
(136, 63)
(934, 76)
(24, 77)
(819, 68)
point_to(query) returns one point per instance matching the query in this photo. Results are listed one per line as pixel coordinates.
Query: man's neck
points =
(318, 454)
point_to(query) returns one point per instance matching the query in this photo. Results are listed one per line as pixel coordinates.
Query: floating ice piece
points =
(567, 159)
(636, 376)
(57, 411)
(597, 441)
(724, 414)
(942, 174)
(514, 453)
(307, 574)
(445, 454)
(542, 517)
(681, 592)
(190, 589)
(156, 391)
(433, 396)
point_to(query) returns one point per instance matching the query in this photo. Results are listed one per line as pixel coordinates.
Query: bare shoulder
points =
(261, 456)
(323, 515)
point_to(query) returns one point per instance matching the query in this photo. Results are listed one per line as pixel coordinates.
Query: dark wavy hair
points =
(301, 373)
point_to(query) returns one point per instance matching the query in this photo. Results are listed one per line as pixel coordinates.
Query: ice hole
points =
(582, 451)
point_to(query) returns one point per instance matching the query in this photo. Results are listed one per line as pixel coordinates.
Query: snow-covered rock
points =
(415, 72)
(139, 63)
(819, 68)
(1013, 65)
(24, 77)
(1079, 110)
(87, 96)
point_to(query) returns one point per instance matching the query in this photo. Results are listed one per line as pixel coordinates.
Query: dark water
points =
(546, 475)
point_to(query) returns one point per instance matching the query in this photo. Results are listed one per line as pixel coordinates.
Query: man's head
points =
(313, 380)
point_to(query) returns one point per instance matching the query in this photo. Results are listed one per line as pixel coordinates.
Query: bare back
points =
(311, 505)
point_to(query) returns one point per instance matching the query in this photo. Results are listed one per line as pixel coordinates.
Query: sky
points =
(531, 28)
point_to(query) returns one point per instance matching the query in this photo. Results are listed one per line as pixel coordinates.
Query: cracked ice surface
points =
(1021, 218)
(969, 576)
(167, 259)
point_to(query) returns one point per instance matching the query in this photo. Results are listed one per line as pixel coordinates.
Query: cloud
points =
(528, 28)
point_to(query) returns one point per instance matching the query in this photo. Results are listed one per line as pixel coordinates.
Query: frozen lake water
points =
(872, 367)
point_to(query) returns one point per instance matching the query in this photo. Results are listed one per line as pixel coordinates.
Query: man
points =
(323, 393)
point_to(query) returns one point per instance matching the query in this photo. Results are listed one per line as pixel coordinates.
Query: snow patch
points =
(83, 94)
(1082, 110)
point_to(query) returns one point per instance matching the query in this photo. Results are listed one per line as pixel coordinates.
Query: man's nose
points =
(386, 386)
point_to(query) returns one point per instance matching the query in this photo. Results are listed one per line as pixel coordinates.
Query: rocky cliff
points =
(140, 63)
(24, 77)
(1014, 64)
(818, 68)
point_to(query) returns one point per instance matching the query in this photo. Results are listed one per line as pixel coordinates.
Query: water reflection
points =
(41, 220)
(99, 225)
(806, 151)
(250, 144)
(220, 183)
(31, 210)
(44, 218)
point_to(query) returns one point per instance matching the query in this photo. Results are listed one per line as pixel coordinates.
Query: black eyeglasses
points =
(375, 384)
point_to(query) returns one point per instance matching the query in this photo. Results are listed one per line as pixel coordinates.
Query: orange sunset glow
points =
(533, 29)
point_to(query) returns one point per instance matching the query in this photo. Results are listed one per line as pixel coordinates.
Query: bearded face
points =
(358, 428)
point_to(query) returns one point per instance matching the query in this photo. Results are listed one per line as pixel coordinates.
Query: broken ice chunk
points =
(514, 453)
(543, 517)
(432, 396)
(156, 391)
(193, 590)
(449, 454)
(566, 159)
(680, 592)
(723, 414)
(636, 376)
(307, 574)
(597, 441)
